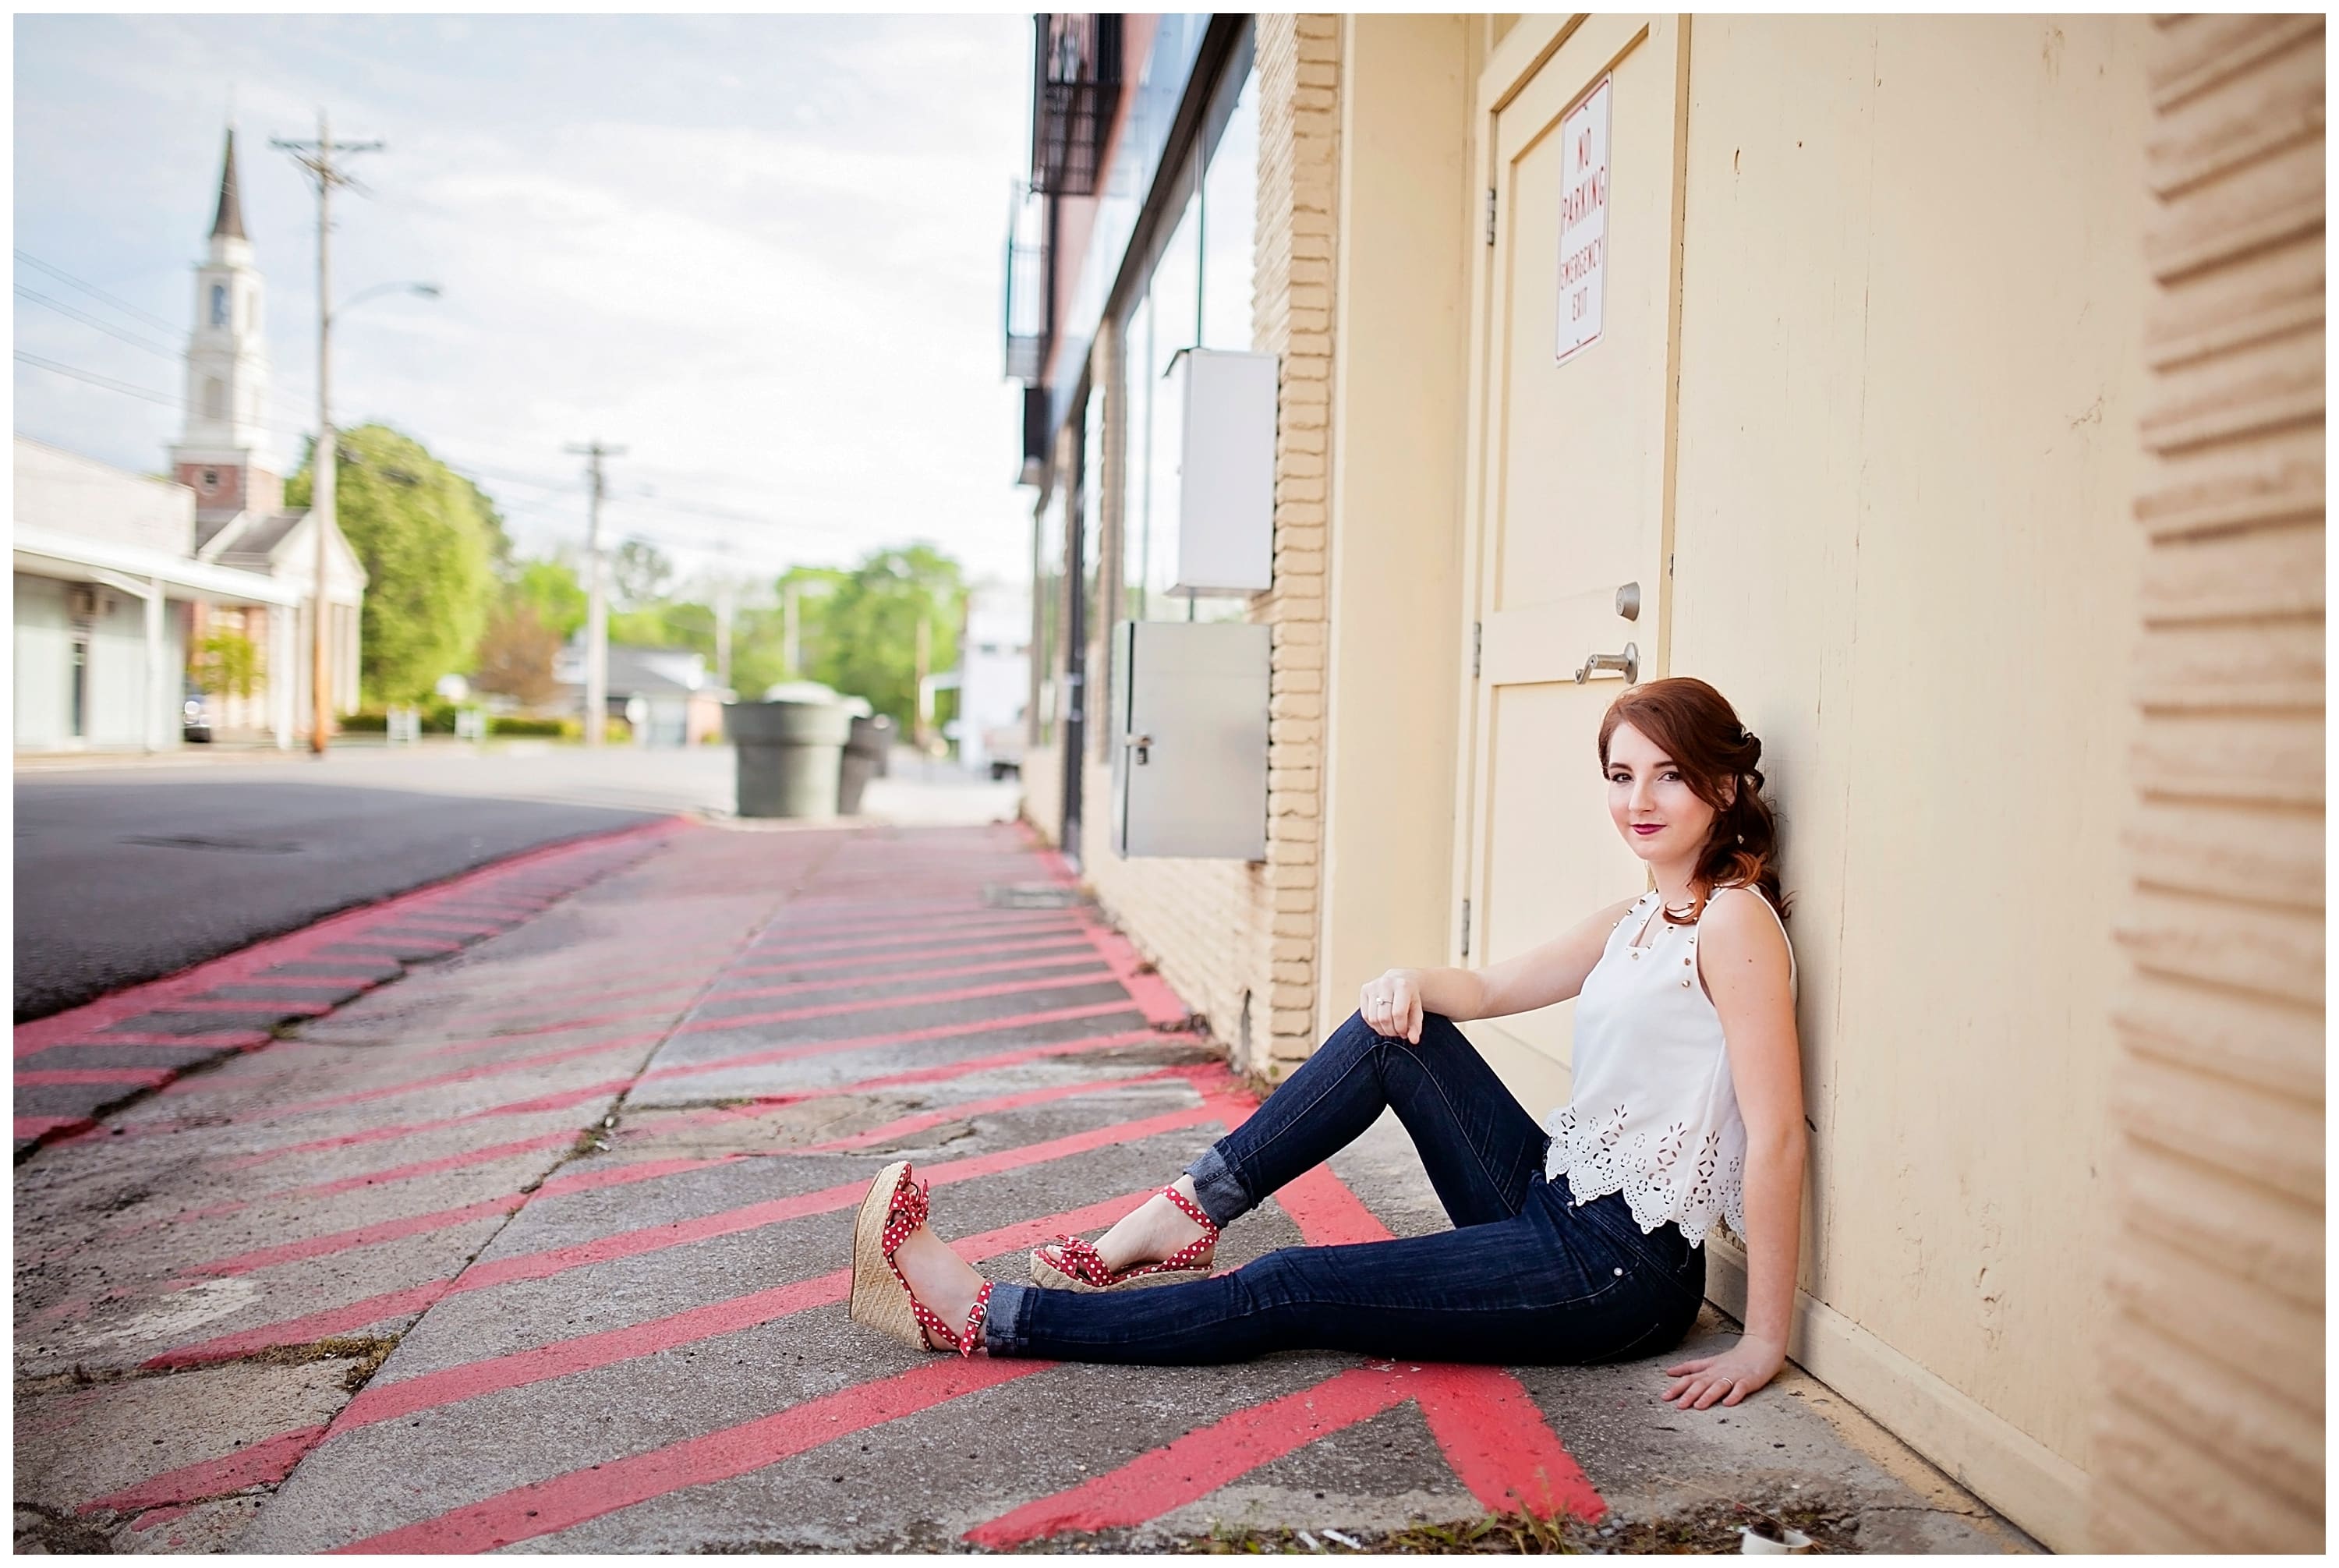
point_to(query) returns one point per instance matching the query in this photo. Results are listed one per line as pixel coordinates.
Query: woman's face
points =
(1654, 807)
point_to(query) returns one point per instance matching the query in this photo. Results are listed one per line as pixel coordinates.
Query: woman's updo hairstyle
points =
(1695, 725)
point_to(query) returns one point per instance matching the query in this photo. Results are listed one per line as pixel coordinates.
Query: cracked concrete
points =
(602, 1258)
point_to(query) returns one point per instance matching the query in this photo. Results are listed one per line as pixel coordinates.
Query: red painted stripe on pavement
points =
(917, 950)
(224, 1040)
(249, 1004)
(303, 1329)
(903, 1127)
(608, 1089)
(900, 1036)
(1500, 1445)
(42, 1126)
(1202, 1461)
(527, 1512)
(487, 1155)
(462, 1075)
(144, 1075)
(586, 1352)
(655, 1238)
(440, 1220)
(261, 1464)
(1138, 977)
(157, 995)
(707, 1024)
(1003, 966)
(764, 1105)
(852, 939)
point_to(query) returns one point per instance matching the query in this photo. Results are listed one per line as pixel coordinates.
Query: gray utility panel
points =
(1189, 739)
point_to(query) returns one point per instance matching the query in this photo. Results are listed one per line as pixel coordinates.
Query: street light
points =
(322, 476)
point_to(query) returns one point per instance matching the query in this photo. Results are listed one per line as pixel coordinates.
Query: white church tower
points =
(224, 454)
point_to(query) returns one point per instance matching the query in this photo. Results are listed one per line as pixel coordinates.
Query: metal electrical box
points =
(1189, 739)
(1226, 472)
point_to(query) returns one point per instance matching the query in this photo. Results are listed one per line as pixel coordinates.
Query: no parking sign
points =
(1584, 221)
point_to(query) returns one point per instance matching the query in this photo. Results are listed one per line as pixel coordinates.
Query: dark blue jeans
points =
(1526, 1275)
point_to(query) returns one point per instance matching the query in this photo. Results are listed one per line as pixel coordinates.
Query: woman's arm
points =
(1394, 1003)
(1744, 963)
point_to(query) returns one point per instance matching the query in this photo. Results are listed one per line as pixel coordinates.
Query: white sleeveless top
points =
(1654, 1113)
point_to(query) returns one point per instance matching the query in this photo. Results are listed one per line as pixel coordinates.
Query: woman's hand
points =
(1391, 1006)
(1729, 1377)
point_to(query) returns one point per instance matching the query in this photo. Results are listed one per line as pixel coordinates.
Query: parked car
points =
(195, 714)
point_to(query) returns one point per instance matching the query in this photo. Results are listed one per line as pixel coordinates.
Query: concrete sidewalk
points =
(543, 1248)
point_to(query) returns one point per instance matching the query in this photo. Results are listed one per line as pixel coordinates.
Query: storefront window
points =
(1198, 293)
(1048, 589)
(1230, 217)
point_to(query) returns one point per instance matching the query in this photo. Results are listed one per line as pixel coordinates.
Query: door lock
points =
(1628, 601)
(1627, 664)
(1141, 745)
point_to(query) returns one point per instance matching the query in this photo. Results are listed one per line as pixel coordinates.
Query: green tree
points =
(227, 664)
(428, 538)
(863, 637)
(639, 574)
(550, 588)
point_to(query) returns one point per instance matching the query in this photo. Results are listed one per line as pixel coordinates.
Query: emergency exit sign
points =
(1584, 221)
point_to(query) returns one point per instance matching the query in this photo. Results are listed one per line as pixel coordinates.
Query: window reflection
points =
(1198, 293)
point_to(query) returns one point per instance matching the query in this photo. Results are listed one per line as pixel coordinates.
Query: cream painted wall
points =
(1394, 583)
(1910, 364)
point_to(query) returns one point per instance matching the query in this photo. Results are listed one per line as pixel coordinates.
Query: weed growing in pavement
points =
(365, 1354)
(1707, 1530)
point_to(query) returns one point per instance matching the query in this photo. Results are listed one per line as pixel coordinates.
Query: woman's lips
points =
(1645, 828)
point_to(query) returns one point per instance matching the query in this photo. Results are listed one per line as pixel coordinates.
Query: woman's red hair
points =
(1695, 726)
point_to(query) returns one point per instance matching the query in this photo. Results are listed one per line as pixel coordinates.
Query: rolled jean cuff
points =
(1003, 1320)
(1219, 1192)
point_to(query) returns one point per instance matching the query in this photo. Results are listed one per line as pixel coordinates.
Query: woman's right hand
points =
(1391, 1006)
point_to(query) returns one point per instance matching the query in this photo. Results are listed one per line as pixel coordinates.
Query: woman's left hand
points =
(1729, 1377)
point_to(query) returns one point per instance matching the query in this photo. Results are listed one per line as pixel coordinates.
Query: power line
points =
(107, 327)
(118, 303)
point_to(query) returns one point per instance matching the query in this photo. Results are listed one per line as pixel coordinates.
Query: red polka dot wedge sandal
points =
(896, 1205)
(1069, 1263)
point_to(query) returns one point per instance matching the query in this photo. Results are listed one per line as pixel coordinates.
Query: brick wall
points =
(1238, 943)
(2209, 1436)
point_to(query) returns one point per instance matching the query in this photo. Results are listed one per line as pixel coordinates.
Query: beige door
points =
(1572, 462)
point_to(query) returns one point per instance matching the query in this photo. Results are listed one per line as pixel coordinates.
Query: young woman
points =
(1578, 1242)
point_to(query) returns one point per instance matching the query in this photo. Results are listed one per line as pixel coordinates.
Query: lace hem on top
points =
(1646, 1167)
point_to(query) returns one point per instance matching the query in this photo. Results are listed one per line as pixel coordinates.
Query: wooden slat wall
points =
(2209, 1436)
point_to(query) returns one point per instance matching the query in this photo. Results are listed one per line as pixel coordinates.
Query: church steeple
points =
(224, 451)
(229, 223)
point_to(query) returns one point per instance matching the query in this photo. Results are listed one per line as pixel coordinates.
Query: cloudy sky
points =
(762, 253)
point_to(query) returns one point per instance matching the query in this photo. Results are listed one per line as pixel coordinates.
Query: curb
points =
(73, 1067)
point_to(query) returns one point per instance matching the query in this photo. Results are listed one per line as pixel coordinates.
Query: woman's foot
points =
(1154, 1230)
(941, 1281)
(905, 1281)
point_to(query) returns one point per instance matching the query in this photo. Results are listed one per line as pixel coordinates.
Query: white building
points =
(120, 578)
(994, 670)
(107, 585)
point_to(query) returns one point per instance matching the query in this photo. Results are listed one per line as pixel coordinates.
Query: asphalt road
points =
(121, 879)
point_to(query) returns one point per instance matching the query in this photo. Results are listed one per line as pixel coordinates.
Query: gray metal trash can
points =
(864, 759)
(790, 756)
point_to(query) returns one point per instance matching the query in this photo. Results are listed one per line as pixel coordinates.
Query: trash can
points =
(864, 759)
(790, 756)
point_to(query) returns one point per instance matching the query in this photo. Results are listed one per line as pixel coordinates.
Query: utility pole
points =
(726, 605)
(317, 158)
(791, 650)
(596, 597)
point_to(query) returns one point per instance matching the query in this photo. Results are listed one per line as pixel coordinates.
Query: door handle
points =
(1140, 744)
(1627, 664)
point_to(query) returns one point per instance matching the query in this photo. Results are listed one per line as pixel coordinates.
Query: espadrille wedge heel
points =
(896, 1205)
